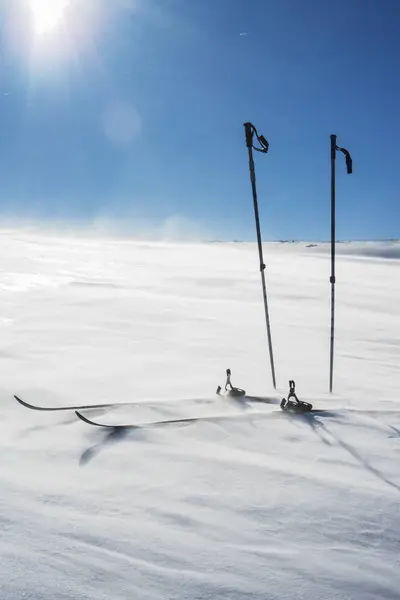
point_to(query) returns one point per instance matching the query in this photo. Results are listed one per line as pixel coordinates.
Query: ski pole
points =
(250, 131)
(349, 165)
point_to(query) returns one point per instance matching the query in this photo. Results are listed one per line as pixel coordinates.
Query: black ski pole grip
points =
(248, 127)
(333, 146)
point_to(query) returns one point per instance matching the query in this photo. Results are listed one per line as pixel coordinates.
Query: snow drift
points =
(257, 506)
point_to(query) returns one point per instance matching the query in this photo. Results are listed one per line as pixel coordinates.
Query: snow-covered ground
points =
(262, 506)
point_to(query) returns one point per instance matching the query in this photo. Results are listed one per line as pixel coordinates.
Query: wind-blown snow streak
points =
(253, 508)
(389, 249)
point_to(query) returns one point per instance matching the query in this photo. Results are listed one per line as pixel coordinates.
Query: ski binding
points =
(230, 390)
(292, 403)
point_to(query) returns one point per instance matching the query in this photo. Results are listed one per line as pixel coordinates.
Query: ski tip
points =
(82, 418)
(23, 403)
(90, 422)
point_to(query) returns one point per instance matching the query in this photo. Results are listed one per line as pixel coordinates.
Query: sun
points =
(47, 14)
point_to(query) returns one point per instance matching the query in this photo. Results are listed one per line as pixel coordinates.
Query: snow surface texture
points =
(263, 506)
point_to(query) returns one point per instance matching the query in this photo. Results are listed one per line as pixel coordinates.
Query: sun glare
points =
(47, 14)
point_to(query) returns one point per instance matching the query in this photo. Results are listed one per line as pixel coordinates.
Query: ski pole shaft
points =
(349, 166)
(333, 256)
(249, 132)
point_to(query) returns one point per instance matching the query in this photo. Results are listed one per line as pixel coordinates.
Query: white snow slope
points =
(262, 506)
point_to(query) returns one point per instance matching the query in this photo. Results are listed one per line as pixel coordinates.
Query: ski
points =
(183, 421)
(191, 420)
(255, 399)
(111, 404)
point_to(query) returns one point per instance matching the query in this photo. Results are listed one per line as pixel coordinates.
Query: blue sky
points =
(132, 112)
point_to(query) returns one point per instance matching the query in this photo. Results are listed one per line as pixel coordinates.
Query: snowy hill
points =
(259, 505)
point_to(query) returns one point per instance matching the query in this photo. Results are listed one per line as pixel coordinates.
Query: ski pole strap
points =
(349, 160)
(250, 131)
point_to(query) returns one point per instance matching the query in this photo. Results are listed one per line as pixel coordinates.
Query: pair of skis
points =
(234, 393)
(153, 424)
